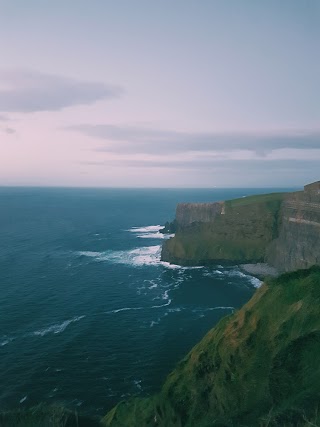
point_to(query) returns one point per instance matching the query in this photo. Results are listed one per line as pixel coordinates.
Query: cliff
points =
(237, 230)
(257, 367)
(189, 213)
(282, 229)
(298, 241)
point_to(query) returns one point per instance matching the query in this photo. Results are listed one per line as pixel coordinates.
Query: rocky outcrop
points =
(282, 229)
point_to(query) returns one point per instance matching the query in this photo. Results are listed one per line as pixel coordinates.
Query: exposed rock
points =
(282, 229)
(260, 270)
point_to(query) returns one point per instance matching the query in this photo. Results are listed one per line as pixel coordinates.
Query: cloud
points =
(3, 118)
(31, 91)
(9, 131)
(209, 164)
(125, 139)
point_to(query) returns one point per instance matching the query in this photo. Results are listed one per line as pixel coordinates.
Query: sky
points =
(170, 93)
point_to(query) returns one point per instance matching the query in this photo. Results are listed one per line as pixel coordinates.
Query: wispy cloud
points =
(208, 164)
(126, 139)
(31, 91)
(9, 131)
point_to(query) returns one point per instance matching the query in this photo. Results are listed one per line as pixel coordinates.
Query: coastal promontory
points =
(281, 229)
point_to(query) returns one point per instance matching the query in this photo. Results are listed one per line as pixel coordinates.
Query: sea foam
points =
(146, 255)
(150, 232)
(56, 328)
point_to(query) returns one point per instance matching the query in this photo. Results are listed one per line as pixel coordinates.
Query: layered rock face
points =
(190, 213)
(237, 230)
(298, 243)
(282, 229)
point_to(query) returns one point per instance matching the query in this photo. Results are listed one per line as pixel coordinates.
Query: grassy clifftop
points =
(242, 232)
(257, 367)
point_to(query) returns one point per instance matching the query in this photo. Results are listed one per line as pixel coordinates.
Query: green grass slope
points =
(45, 416)
(241, 234)
(257, 367)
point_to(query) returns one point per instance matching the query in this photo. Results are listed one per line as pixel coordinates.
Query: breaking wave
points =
(253, 280)
(146, 255)
(150, 232)
(143, 256)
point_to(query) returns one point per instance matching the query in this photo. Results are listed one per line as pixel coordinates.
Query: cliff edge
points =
(282, 229)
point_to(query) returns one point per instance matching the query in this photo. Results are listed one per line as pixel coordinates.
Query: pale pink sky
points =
(159, 94)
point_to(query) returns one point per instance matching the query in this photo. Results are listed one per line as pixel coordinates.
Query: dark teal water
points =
(88, 313)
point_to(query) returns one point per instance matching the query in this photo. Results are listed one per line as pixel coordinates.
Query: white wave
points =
(175, 310)
(146, 255)
(253, 280)
(236, 273)
(138, 257)
(162, 305)
(147, 229)
(23, 399)
(124, 309)
(90, 254)
(154, 322)
(151, 236)
(179, 267)
(213, 273)
(150, 232)
(155, 236)
(6, 340)
(57, 328)
(164, 296)
(152, 283)
(137, 383)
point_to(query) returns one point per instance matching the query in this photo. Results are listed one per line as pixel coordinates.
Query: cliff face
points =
(282, 229)
(257, 367)
(189, 213)
(237, 230)
(298, 242)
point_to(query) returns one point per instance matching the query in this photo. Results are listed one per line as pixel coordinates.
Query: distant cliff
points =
(236, 230)
(282, 229)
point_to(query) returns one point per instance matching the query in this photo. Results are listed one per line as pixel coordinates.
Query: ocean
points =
(89, 315)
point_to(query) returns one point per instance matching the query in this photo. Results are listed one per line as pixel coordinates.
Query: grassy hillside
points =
(241, 234)
(45, 416)
(257, 367)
